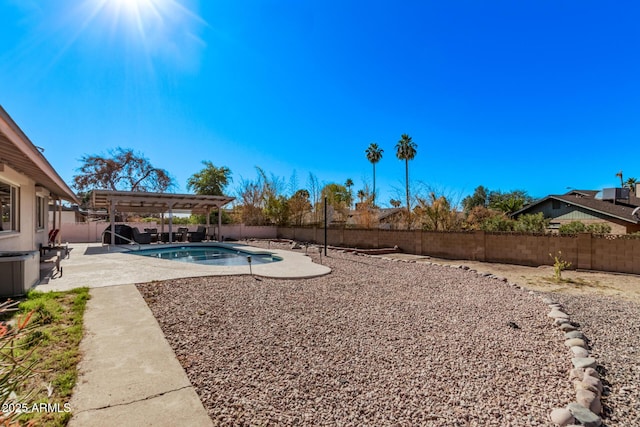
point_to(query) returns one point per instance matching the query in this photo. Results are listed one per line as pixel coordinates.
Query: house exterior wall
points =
(566, 213)
(27, 238)
(68, 217)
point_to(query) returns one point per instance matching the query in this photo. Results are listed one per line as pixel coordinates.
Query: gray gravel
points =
(612, 326)
(375, 342)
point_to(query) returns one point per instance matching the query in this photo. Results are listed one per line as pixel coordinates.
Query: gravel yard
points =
(376, 342)
(613, 328)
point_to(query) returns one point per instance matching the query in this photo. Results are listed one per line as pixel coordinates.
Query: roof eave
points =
(33, 163)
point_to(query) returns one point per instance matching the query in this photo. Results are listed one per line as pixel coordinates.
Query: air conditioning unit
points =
(19, 272)
(615, 193)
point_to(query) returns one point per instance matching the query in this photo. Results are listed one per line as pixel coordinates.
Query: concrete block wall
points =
(584, 251)
(451, 245)
(616, 254)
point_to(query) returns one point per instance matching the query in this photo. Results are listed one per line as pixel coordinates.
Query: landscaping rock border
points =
(586, 381)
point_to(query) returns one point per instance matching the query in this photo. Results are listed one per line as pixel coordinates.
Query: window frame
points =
(13, 211)
(41, 213)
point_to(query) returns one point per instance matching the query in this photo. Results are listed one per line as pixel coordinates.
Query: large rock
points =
(583, 362)
(561, 417)
(574, 334)
(576, 374)
(592, 373)
(575, 342)
(557, 314)
(567, 327)
(584, 415)
(579, 351)
(585, 397)
(592, 383)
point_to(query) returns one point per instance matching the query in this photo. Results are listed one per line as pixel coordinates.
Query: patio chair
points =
(198, 235)
(182, 234)
(154, 234)
(138, 237)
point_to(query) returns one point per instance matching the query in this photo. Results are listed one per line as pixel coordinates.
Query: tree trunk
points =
(374, 184)
(406, 162)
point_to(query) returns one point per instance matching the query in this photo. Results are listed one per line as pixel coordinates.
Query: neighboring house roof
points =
(18, 152)
(385, 213)
(622, 209)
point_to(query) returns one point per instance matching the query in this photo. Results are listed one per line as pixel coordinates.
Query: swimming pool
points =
(208, 255)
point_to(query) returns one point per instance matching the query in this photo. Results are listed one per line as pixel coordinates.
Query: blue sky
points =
(534, 95)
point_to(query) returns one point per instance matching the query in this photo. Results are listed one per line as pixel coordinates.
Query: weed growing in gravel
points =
(559, 265)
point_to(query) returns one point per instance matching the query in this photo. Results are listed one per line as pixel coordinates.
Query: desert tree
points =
(211, 180)
(478, 198)
(436, 213)
(337, 198)
(122, 169)
(299, 205)
(314, 193)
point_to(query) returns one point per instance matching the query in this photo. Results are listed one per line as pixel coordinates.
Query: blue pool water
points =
(209, 255)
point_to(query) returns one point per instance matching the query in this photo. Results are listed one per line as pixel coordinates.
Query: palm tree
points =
(619, 174)
(631, 184)
(349, 184)
(406, 150)
(374, 154)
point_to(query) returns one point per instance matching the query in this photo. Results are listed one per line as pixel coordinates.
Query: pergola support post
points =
(59, 237)
(170, 223)
(112, 219)
(219, 223)
(208, 221)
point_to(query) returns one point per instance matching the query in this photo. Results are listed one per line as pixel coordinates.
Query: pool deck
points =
(94, 265)
(129, 375)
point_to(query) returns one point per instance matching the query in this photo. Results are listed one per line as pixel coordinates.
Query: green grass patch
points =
(55, 351)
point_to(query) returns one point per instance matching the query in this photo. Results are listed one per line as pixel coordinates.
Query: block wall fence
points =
(615, 253)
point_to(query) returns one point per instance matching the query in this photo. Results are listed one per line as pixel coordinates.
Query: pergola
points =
(139, 201)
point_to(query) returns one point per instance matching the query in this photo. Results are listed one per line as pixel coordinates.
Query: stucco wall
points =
(27, 238)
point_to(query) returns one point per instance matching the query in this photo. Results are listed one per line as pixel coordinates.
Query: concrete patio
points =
(129, 375)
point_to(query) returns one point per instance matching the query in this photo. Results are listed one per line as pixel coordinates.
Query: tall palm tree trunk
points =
(407, 185)
(374, 184)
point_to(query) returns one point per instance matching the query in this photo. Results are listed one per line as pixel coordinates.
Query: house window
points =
(40, 212)
(9, 203)
(555, 204)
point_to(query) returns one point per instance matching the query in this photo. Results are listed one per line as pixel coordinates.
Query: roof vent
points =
(614, 194)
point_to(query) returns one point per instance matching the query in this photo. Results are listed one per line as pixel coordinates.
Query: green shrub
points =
(532, 223)
(497, 223)
(599, 228)
(573, 227)
(576, 227)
